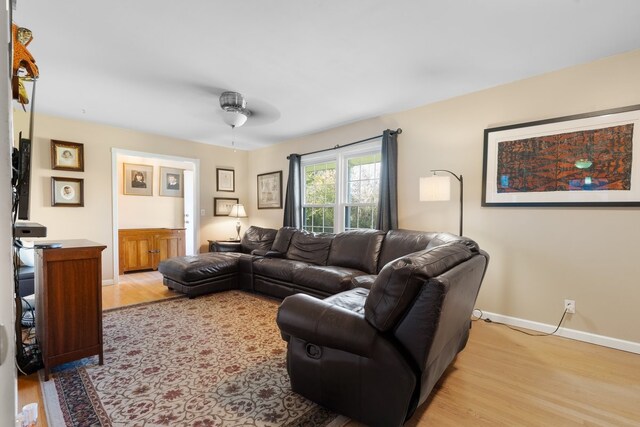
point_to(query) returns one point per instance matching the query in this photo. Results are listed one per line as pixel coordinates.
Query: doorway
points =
(134, 211)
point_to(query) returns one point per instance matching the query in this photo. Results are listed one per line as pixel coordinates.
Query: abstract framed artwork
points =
(67, 191)
(138, 179)
(67, 156)
(270, 190)
(171, 182)
(222, 205)
(590, 159)
(225, 180)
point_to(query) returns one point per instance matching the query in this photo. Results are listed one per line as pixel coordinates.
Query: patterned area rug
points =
(216, 360)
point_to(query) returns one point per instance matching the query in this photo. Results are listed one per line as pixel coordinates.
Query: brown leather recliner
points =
(375, 355)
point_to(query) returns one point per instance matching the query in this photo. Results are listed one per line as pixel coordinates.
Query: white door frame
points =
(115, 153)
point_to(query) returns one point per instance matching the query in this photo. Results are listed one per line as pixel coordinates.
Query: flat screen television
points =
(21, 179)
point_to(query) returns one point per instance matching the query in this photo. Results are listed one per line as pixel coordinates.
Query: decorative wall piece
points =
(138, 179)
(226, 180)
(580, 160)
(67, 156)
(222, 205)
(270, 190)
(171, 182)
(67, 191)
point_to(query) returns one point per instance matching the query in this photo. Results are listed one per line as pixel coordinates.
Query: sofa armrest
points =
(274, 254)
(225, 247)
(317, 322)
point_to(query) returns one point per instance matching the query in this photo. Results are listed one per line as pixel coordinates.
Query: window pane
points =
(363, 179)
(320, 183)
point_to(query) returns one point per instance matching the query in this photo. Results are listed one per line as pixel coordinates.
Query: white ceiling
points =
(158, 66)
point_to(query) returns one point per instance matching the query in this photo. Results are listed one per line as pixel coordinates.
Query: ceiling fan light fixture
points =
(234, 108)
(235, 118)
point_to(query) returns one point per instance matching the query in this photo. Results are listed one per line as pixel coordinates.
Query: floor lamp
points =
(237, 211)
(437, 188)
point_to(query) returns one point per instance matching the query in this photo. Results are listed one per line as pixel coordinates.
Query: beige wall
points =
(539, 256)
(94, 220)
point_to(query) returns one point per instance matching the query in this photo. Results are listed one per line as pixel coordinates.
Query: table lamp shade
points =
(435, 188)
(237, 211)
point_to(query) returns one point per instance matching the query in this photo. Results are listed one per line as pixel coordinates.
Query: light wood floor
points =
(501, 378)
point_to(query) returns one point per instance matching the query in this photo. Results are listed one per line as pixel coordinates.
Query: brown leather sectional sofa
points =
(372, 319)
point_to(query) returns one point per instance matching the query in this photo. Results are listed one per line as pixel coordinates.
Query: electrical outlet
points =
(570, 306)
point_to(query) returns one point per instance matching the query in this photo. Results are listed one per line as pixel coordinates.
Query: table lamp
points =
(237, 211)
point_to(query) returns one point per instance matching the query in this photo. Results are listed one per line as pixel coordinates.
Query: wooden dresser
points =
(68, 283)
(144, 248)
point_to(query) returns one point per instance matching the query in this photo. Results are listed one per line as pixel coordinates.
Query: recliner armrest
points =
(317, 322)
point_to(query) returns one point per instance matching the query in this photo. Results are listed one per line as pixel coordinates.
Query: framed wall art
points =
(590, 159)
(222, 205)
(67, 191)
(138, 179)
(171, 182)
(270, 190)
(67, 156)
(225, 180)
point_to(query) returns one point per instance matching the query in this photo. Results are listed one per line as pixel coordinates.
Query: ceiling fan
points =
(235, 112)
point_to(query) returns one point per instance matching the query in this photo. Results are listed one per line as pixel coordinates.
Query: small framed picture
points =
(67, 191)
(67, 156)
(222, 205)
(270, 190)
(226, 180)
(138, 179)
(171, 182)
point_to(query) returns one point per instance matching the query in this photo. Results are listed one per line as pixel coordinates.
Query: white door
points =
(189, 219)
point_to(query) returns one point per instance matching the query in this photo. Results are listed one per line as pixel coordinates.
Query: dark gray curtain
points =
(388, 203)
(293, 199)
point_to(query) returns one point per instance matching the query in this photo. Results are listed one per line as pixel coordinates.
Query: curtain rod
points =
(398, 131)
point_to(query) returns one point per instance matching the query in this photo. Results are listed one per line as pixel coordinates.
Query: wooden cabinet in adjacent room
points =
(144, 248)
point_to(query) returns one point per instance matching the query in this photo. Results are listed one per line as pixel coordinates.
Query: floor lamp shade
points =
(435, 188)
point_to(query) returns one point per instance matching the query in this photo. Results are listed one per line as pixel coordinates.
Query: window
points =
(341, 189)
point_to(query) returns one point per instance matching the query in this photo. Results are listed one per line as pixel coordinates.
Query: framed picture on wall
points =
(222, 205)
(138, 179)
(225, 180)
(67, 191)
(67, 156)
(270, 190)
(587, 159)
(171, 182)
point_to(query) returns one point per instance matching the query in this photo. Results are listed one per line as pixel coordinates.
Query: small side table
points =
(222, 243)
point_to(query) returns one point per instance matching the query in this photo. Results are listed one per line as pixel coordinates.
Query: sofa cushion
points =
(189, 269)
(399, 243)
(357, 249)
(257, 238)
(399, 281)
(328, 279)
(276, 268)
(310, 247)
(283, 238)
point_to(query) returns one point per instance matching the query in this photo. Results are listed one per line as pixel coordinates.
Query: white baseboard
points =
(618, 344)
(107, 282)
